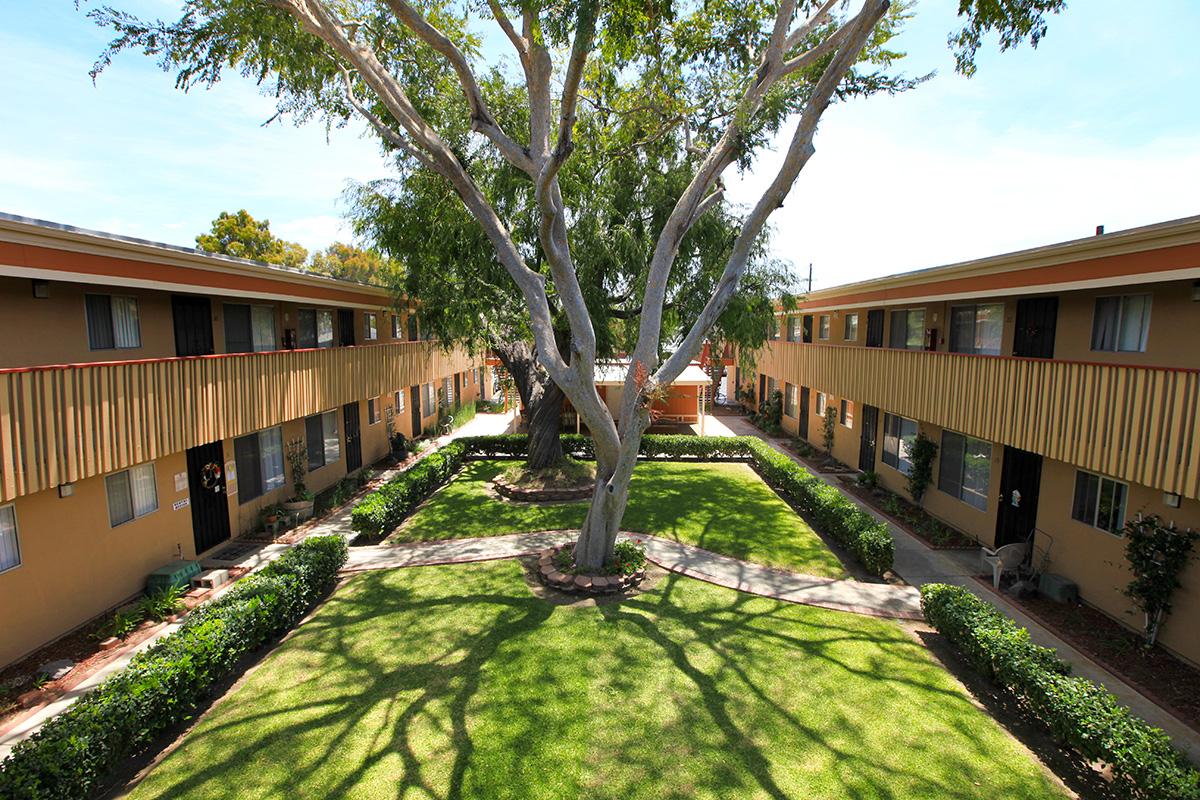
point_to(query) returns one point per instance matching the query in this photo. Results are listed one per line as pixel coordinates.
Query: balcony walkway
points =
(919, 564)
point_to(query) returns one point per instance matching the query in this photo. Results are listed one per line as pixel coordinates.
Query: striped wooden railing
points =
(61, 424)
(1139, 424)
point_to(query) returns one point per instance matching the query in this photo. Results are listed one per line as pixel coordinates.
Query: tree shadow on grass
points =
(450, 682)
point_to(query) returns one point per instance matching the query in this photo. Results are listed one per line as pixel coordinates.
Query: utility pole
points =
(809, 278)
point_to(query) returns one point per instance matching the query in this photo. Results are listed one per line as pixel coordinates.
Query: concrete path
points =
(874, 599)
(338, 522)
(918, 564)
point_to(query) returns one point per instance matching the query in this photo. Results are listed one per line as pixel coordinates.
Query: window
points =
(370, 326)
(447, 391)
(789, 400)
(822, 401)
(823, 326)
(112, 322)
(898, 437)
(976, 329)
(396, 329)
(259, 458)
(321, 439)
(1121, 324)
(793, 329)
(428, 400)
(399, 401)
(249, 329)
(131, 494)
(908, 329)
(965, 468)
(374, 411)
(846, 415)
(10, 548)
(316, 327)
(851, 328)
(1100, 502)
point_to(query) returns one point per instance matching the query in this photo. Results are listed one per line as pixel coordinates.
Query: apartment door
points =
(458, 387)
(193, 325)
(1037, 318)
(207, 497)
(345, 327)
(875, 327)
(803, 412)
(869, 416)
(414, 402)
(1020, 479)
(806, 329)
(350, 416)
(762, 388)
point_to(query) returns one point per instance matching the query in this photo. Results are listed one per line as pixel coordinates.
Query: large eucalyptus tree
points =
(720, 76)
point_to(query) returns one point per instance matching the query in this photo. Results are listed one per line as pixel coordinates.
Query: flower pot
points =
(304, 507)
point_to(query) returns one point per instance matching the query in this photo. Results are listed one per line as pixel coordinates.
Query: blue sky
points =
(1099, 125)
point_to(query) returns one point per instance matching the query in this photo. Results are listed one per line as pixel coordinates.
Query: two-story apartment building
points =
(148, 398)
(1061, 385)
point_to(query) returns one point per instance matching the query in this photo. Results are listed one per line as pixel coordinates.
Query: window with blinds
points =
(977, 329)
(789, 400)
(1100, 502)
(131, 494)
(850, 329)
(259, 458)
(374, 410)
(899, 435)
(315, 327)
(10, 548)
(823, 326)
(428, 400)
(908, 329)
(370, 326)
(965, 468)
(846, 413)
(399, 400)
(321, 439)
(112, 322)
(251, 329)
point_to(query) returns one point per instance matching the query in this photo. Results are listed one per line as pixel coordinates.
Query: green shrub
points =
(163, 685)
(161, 603)
(1079, 713)
(380, 511)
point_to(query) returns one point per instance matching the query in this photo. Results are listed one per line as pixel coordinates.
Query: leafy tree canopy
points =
(242, 236)
(349, 263)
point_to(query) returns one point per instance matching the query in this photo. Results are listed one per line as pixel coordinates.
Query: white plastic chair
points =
(1004, 559)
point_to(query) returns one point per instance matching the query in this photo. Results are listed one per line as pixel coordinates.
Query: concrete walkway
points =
(874, 599)
(918, 564)
(338, 522)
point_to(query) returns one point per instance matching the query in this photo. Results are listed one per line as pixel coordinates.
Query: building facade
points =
(1061, 385)
(149, 396)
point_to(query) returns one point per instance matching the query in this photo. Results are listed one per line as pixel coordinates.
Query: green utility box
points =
(177, 573)
(1058, 588)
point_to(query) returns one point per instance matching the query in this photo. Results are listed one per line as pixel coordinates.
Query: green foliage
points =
(920, 476)
(72, 753)
(349, 263)
(1013, 21)
(382, 510)
(628, 557)
(828, 426)
(1077, 712)
(122, 623)
(242, 236)
(163, 602)
(868, 479)
(1157, 554)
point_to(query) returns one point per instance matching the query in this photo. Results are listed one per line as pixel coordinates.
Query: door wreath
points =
(210, 476)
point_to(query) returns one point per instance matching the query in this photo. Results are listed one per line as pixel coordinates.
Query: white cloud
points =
(314, 233)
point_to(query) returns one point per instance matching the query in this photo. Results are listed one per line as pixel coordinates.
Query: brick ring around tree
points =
(551, 573)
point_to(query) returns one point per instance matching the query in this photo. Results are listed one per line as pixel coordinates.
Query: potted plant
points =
(302, 500)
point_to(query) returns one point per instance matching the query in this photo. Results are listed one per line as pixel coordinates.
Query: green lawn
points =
(456, 682)
(725, 508)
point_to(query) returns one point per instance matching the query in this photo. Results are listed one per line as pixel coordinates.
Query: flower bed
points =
(1079, 713)
(556, 568)
(532, 494)
(72, 753)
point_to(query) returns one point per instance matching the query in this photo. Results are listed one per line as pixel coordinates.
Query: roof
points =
(613, 374)
(1152, 253)
(48, 250)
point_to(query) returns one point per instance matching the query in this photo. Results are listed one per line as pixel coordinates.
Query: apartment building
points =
(148, 398)
(1061, 385)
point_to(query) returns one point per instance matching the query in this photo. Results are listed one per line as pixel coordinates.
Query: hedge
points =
(856, 530)
(69, 756)
(1078, 713)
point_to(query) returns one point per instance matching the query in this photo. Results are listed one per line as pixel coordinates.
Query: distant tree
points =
(349, 263)
(242, 236)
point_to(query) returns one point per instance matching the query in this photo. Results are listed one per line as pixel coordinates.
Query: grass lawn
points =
(456, 682)
(725, 508)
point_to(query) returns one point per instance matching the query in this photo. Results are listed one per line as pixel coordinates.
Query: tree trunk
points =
(545, 415)
(610, 495)
(542, 399)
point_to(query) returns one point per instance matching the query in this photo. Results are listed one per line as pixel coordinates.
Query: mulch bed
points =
(1154, 672)
(951, 539)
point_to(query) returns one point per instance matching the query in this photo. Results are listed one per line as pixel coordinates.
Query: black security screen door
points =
(1033, 335)
(1019, 483)
(875, 328)
(206, 490)
(193, 325)
(353, 437)
(414, 400)
(866, 446)
(345, 327)
(803, 412)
